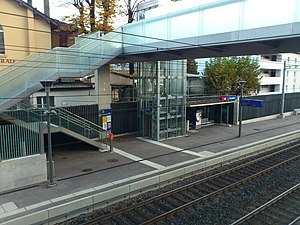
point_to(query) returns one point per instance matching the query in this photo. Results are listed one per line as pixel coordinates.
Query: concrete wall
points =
(19, 172)
(63, 98)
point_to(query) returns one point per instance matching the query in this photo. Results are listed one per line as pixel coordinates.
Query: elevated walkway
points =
(133, 169)
(88, 54)
(222, 28)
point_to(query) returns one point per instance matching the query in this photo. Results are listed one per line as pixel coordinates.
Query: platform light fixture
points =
(47, 85)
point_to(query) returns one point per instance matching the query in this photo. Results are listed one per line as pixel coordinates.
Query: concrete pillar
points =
(103, 87)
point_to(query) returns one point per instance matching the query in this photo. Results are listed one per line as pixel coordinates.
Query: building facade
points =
(274, 76)
(24, 31)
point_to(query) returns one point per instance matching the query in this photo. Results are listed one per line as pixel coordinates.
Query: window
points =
(2, 49)
(273, 73)
(42, 103)
(274, 58)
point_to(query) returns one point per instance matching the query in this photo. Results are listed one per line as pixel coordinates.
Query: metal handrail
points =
(68, 117)
(78, 120)
(79, 117)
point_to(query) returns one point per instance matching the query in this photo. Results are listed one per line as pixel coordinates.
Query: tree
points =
(192, 66)
(131, 8)
(93, 15)
(222, 75)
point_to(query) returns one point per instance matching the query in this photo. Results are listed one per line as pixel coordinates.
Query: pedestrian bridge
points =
(224, 28)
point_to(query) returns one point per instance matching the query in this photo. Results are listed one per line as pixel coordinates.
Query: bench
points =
(296, 111)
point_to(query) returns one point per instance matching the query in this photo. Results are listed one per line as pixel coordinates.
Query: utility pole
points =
(241, 83)
(283, 93)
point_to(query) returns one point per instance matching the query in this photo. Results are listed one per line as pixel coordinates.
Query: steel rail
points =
(267, 205)
(196, 201)
(177, 190)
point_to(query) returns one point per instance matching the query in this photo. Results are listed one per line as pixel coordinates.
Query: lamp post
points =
(241, 83)
(47, 85)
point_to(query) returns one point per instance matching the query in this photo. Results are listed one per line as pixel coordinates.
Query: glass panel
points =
(267, 13)
(156, 33)
(162, 106)
(132, 37)
(184, 26)
(228, 19)
(89, 53)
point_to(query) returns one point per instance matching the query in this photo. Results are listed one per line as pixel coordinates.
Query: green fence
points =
(19, 140)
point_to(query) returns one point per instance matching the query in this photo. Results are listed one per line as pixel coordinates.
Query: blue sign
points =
(252, 102)
(105, 119)
(231, 98)
(105, 111)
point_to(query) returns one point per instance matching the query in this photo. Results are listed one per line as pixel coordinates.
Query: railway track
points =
(162, 208)
(283, 209)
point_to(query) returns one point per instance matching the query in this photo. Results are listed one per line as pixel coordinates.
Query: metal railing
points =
(19, 140)
(95, 131)
(59, 117)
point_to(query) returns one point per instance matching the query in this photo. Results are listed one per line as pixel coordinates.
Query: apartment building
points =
(273, 71)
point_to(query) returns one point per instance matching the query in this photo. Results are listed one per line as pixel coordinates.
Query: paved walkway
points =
(80, 168)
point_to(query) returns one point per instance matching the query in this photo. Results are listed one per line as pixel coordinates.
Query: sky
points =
(57, 11)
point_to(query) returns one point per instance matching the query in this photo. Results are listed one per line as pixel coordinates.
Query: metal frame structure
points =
(162, 99)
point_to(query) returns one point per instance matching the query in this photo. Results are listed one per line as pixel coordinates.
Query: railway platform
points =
(87, 179)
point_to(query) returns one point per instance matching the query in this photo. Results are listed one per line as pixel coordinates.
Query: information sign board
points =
(252, 102)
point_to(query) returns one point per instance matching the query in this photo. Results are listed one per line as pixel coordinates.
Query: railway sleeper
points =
(275, 215)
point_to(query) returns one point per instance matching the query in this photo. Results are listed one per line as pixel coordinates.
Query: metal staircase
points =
(88, 53)
(62, 120)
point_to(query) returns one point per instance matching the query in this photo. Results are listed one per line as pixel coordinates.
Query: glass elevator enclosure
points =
(162, 99)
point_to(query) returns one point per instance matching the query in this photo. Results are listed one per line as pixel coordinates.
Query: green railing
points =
(82, 126)
(19, 140)
(59, 117)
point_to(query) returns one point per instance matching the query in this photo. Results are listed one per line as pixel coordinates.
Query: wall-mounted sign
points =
(105, 118)
(7, 61)
(252, 102)
(229, 98)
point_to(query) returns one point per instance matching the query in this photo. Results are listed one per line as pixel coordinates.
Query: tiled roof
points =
(72, 85)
